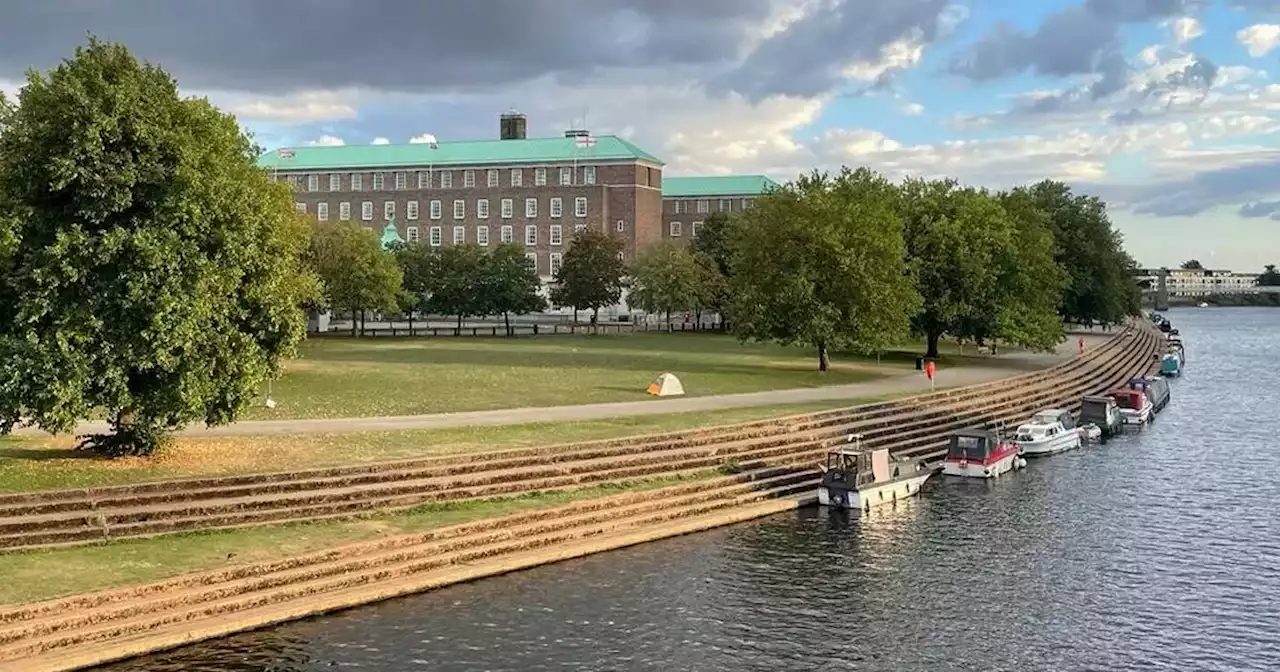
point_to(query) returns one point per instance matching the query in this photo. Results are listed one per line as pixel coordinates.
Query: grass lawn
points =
(342, 377)
(43, 463)
(32, 576)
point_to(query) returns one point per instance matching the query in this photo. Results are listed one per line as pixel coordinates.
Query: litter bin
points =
(919, 363)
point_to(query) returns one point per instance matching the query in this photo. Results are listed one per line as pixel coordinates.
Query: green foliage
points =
(1269, 277)
(1192, 265)
(713, 240)
(1031, 284)
(591, 274)
(456, 276)
(665, 279)
(357, 273)
(820, 261)
(149, 267)
(470, 281)
(511, 284)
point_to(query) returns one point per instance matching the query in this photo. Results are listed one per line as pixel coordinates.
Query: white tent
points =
(666, 385)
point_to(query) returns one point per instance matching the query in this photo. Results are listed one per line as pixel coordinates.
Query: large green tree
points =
(666, 278)
(511, 284)
(150, 270)
(1031, 284)
(821, 262)
(591, 274)
(711, 247)
(357, 273)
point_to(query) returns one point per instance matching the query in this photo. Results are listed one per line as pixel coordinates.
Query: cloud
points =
(1259, 38)
(327, 141)
(1260, 209)
(1224, 177)
(298, 108)
(913, 109)
(424, 139)
(1185, 29)
(381, 141)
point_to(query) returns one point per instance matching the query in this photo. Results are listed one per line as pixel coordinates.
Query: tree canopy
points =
(148, 267)
(357, 273)
(667, 278)
(821, 262)
(591, 274)
(1269, 277)
(511, 284)
(1192, 265)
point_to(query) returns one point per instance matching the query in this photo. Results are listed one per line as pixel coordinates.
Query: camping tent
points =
(666, 385)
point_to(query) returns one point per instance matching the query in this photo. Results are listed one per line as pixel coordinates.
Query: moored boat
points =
(858, 479)
(1090, 433)
(978, 452)
(1135, 406)
(1156, 388)
(1103, 413)
(1170, 365)
(1049, 431)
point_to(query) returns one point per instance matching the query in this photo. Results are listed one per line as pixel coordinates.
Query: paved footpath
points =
(908, 382)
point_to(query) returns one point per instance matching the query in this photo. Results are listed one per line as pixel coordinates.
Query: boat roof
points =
(1099, 397)
(1050, 411)
(975, 431)
(1126, 392)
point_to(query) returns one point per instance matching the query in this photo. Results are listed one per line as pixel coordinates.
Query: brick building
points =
(532, 191)
(686, 201)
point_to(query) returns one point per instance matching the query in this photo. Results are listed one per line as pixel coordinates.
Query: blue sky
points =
(1168, 109)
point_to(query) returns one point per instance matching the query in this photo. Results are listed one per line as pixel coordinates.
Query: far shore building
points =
(1187, 283)
(687, 201)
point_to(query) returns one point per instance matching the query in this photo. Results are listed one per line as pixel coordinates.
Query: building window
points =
(580, 206)
(411, 234)
(681, 207)
(446, 179)
(436, 210)
(344, 211)
(389, 210)
(557, 207)
(482, 235)
(366, 211)
(704, 207)
(402, 181)
(411, 210)
(674, 229)
(435, 236)
(555, 262)
(533, 260)
(746, 203)
(508, 209)
(459, 235)
(693, 229)
(588, 174)
(622, 256)
(557, 234)
(539, 177)
(424, 179)
(530, 207)
(377, 181)
(300, 207)
(725, 205)
(621, 225)
(531, 234)
(335, 182)
(322, 212)
(313, 183)
(579, 228)
(482, 208)
(517, 177)
(566, 177)
(506, 235)
(493, 178)
(468, 178)
(357, 182)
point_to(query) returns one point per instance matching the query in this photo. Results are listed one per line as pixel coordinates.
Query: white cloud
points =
(381, 141)
(327, 141)
(1259, 38)
(1186, 29)
(425, 138)
(300, 108)
(899, 55)
(913, 109)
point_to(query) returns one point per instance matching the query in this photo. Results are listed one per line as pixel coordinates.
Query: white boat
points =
(978, 452)
(1049, 431)
(858, 479)
(1203, 304)
(1136, 408)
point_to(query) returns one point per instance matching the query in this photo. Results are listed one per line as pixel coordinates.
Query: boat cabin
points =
(1049, 416)
(855, 468)
(1097, 410)
(1129, 398)
(973, 444)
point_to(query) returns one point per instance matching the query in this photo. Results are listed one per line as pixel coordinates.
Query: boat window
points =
(968, 447)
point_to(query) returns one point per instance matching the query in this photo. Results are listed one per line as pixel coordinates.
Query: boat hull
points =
(871, 496)
(1055, 444)
(1137, 418)
(978, 469)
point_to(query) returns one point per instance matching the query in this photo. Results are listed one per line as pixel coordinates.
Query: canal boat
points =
(1103, 413)
(1170, 365)
(1049, 431)
(858, 479)
(1135, 406)
(1156, 388)
(978, 452)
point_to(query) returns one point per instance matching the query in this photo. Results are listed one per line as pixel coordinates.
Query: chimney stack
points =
(513, 126)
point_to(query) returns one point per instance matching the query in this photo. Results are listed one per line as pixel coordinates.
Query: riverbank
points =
(87, 630)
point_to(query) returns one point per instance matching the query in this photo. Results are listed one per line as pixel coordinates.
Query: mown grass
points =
(41, 463)
(43, 574)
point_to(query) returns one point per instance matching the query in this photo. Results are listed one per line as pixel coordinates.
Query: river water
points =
(1157, 551)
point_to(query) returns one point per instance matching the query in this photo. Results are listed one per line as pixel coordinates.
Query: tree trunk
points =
(355, 321)
(362, 323)
(595, 319)
(506, 320)
(459, 324)
(931, 344)
(823, 362)
(411, 323)
(575, 314)
(668, 322)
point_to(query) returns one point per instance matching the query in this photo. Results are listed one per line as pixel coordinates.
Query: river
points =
(1157, 551)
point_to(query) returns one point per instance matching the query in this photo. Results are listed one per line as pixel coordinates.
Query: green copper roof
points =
(463, 153)
(389, 234)
(717, 185)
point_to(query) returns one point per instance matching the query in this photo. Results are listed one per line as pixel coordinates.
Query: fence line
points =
(498, 330)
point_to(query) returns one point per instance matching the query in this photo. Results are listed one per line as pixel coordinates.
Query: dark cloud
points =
(280, 46)
(1082, 39)
(1261, 209)
(1193, 195)
(807, 58)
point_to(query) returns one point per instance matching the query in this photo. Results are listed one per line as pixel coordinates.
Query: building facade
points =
(687, 201)
(534, 192)
(1199, 282)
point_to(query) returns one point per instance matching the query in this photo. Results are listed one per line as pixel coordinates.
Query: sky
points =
(1164, 108)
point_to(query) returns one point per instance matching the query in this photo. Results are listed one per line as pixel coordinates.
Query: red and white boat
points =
(978, 452)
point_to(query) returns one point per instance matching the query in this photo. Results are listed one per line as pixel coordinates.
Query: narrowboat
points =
(1156, 389)
(858, 479)
(978, 452)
